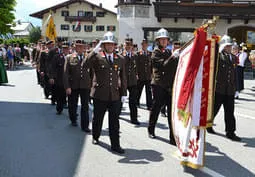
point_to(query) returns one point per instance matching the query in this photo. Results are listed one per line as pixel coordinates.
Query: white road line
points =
(203, 169)
(210, 172)
(245, 116)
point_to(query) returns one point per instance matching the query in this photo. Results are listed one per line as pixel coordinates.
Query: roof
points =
(21, 26)
(66, 3)
(22, 33)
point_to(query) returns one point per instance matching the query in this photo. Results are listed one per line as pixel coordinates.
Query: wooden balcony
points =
(80, 18)
(201, 9)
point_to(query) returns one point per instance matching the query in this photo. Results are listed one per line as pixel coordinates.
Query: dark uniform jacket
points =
(43, 60)
(57, 69)
(163, 68)
(143, 65)
(225, 78)
(109, 82)
(77, 74)
(130, 68)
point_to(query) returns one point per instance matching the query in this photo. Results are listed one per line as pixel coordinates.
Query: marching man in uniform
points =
(143, 67)
(225, 87)
(164, 65)
(131, 75)
(77, 82)
(109, 87)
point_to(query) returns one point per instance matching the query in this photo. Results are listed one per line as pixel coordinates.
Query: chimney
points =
(100, 5)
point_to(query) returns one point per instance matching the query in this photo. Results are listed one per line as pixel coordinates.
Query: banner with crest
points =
(193, 98)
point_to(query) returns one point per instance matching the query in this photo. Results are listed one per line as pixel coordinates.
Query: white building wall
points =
(108, 19)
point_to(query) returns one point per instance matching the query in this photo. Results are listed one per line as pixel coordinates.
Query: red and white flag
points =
(77, 24)
(192, 98)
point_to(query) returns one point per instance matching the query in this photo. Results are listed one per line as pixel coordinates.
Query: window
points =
(65, 13)
(88, 28)
(111, 28)
(100, 28)
(78, 28)
(88, 14)
(100, 14)
(80, 13)
(64, 27)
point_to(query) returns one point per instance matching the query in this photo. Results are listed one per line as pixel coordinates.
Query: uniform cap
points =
(49, 42)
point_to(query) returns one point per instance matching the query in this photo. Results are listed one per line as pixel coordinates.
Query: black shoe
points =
(210, 130)
(95, 141)
(59, 112)
(151, 135)
(233, 137)
(119, 150)
(136, 122)
(163, 114)
(87, 130)
(74, 124)
(172, 142)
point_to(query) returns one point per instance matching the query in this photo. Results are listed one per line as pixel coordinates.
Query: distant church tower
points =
(132, 16)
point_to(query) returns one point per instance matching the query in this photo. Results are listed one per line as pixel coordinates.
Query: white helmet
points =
(225, 41)
(109, 38)
(162, 33)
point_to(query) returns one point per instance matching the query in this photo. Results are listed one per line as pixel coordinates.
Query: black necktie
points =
(110, 59)
(80, 57)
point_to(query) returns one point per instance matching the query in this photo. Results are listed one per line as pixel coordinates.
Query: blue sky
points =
(26, 7)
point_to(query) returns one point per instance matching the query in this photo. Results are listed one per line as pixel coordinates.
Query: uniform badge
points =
(115, 67)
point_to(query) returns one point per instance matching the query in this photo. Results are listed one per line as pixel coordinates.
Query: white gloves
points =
(176, 53)
(97, 48)
(123, 99)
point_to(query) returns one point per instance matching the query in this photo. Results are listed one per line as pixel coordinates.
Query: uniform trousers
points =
(132, 102)
(72, 106)
(60, 98)
(160, 97)
(140, 85)
(228, 104)
(100, 107)
(46, 86)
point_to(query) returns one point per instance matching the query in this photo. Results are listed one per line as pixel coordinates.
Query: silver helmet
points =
(109, 38)
(162, 33)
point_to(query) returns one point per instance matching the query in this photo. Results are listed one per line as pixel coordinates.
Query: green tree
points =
(35, 34)
(6, 15)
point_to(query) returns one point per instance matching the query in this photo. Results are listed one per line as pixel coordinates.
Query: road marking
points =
(210, 172)
(245, 116)
(203, 169)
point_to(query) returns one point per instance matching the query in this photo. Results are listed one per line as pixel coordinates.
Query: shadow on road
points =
(35, 142)
(135, 156)
(221, 164)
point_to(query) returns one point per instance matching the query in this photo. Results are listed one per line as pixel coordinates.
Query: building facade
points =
(141, 18)
(22, 29)
(79, 19)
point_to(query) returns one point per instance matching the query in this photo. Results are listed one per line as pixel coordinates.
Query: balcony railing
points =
(243, 10)
(210, 1)
(80, 18)
(133, 2)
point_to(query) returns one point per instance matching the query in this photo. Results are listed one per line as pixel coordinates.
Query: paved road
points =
(35, 142)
